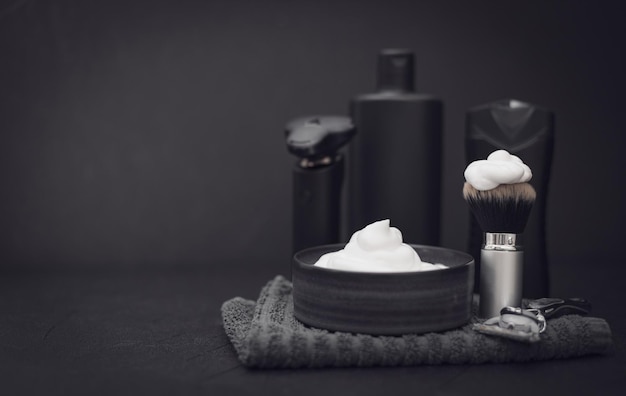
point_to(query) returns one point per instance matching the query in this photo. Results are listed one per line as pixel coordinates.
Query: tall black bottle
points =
(526, 130)
(395, 157)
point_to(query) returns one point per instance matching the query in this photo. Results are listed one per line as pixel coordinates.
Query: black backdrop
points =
(146, 133)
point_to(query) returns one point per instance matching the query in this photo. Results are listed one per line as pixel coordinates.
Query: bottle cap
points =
(396, 70)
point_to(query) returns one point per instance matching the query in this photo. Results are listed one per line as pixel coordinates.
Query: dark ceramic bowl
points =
(384, 303)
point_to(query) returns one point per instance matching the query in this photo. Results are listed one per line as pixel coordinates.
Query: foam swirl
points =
(376, 248)
(500, 167)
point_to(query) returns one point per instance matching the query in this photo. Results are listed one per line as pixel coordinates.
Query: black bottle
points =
(395, 157)
(527, 131)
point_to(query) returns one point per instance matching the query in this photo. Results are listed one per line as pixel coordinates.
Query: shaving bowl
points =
(384, 303)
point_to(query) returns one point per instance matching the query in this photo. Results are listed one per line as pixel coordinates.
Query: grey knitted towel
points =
(265, 334)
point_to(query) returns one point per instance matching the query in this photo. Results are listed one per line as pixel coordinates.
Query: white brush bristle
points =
(503, 209)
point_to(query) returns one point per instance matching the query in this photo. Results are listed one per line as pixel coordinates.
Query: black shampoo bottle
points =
(395, 157)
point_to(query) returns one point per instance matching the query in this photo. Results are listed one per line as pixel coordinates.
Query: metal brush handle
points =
(501, 275)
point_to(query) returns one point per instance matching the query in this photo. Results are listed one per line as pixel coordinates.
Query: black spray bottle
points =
(527, 131)
(395, 157)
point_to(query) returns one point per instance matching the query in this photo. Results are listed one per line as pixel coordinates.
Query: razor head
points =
(520, 335)
(316, 137)
(515, 324)
(524, 325)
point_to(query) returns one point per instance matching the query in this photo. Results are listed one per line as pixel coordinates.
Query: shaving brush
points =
(502, 213)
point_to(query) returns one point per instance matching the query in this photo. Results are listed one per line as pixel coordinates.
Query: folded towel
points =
(265, 334)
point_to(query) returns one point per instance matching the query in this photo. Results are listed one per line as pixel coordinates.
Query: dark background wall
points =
(147, 133)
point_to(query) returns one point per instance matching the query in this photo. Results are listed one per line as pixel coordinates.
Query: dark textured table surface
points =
(160, 332)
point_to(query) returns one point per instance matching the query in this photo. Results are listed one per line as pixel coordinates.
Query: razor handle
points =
(316, 204)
